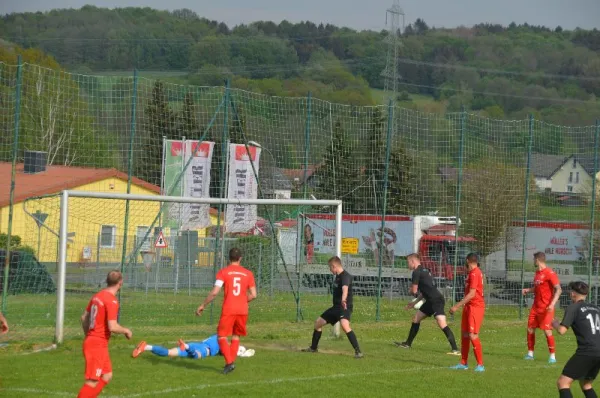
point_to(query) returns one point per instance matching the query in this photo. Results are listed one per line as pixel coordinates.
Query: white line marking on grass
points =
(37, 392)
(49, 348)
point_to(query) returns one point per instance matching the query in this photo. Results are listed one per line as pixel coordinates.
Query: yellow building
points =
(95, 226)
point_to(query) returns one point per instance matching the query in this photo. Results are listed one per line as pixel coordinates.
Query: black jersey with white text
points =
(584, 319)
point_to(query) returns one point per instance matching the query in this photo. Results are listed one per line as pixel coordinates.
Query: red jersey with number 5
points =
(235, 281)
(103, 307)
(475, 281)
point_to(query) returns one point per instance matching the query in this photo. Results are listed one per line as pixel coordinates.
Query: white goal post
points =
(64, 215)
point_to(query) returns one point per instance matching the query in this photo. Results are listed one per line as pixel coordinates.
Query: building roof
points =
(273, 178)
(297, 175)
(545, 166)
(56, 179)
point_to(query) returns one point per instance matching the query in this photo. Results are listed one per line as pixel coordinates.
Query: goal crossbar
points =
(64, 214)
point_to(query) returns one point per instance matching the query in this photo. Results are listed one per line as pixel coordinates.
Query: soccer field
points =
(279, 369)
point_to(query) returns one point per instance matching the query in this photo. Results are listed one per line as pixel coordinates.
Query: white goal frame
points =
(64, 215)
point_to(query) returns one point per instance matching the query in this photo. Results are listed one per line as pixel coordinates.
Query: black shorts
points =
(434, 307)
(335, 314)
(582, 367)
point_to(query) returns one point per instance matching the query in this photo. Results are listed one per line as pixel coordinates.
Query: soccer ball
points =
(419, 304)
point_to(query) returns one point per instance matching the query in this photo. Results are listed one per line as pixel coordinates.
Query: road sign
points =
(161, 242)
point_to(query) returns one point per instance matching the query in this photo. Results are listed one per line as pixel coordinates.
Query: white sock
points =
(148, 347)
(552, 356)
(530, 353)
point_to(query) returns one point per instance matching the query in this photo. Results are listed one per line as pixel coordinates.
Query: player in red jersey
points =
(239, 289)
(472, 316)
(546, 288)
(99, 320)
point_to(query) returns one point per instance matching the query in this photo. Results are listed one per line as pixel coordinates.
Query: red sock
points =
(87, 391)
(235, 346)
(477, 350)
(224, 347)
(551, 346)
(98, 389)
(464, 349)
(530, 341)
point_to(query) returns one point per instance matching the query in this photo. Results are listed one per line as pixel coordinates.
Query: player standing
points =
(472, 316)
(3, 324)
(584, 365)
(342, 308)
(422, 282)
(99, 320)
(239, 288)
(546, 288)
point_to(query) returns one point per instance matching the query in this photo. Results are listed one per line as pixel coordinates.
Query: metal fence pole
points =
(593, 207)
(12, 179)
(461, 153)
(307, 143)
(384, 205)
(525, 214)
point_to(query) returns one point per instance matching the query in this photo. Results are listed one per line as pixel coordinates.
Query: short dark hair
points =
(473, 258)
(113, 278)
(540, 256)
(335, 260)
(579, 287)
(416, 256)
(235, 254)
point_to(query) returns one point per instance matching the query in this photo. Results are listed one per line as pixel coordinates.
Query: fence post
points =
(222, 178)
(307, 142)
(593, 207)
(129, 172)
(258, 286)
(525, 214)
(12, 179)
(461, 152)
(384, 202)
(273, 264)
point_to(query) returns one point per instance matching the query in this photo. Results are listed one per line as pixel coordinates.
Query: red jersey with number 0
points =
(475, 281)
(235, 281)
(103, 307)
(543, 285)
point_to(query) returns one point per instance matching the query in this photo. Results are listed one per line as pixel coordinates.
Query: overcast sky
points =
(359, 14)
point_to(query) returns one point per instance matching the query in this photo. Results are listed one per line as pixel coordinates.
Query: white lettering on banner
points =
(242, 184)
(197, 184)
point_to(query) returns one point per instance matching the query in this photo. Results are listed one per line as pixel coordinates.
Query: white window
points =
(143, 244)
(577, 178)
(107, 236)
(570, 177)
(569, 188)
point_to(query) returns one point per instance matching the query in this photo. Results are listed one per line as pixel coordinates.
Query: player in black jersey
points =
(341, 311)
(422, 282)
(584, 365)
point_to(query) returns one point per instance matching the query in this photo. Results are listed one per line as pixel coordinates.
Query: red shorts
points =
(540, 319)
(472, 318)
(97, 360)
(232, 325)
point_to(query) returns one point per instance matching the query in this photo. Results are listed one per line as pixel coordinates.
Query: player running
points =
(239, 288)
(342, 308)
(197, 349)
(99, 320)
(584, 365)
(422, 282)
(546, 288)
(472, 316)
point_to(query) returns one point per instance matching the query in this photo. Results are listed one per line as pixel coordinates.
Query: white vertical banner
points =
(196, 184)
(242, 184)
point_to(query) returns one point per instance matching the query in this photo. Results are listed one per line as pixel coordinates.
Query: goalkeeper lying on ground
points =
(197, 349)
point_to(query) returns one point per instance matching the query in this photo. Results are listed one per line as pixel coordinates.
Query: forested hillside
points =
(500, 71)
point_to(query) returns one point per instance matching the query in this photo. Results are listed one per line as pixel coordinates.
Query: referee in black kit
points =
(341, 311)
(584, 365)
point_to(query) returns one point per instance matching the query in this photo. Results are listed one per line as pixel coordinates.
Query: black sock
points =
(565, 393)
(590, 393)
(315, 339)
(450, 337)
(353, 341)
(414, 329)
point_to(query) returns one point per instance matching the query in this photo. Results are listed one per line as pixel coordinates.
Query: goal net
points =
(168, 270)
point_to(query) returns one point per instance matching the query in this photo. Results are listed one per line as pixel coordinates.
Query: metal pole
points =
(224, 151)
(12, 179)
(273, 264)
(62, 267)
(260, 246)
(307, 143)
(461, 149)
(593, 209)
(384, 206)
(525, 213)
(129, 174)
(298, 266)
(176, 240)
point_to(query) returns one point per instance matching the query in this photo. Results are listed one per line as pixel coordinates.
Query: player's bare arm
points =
(3, 324)
(414, 289)
(344, 297)
(211, 296)
(468, 297)
(526, 291)
(252, 293)
(115, 328)
(85, 322)
(558, 327)
(555, 298)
